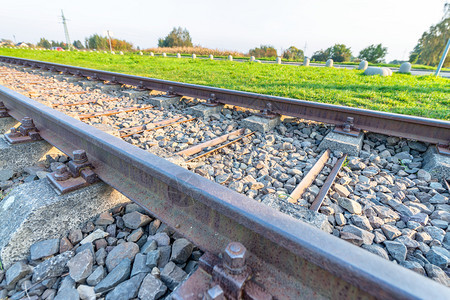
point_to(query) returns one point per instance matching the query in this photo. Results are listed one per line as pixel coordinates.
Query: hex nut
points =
(234, 257)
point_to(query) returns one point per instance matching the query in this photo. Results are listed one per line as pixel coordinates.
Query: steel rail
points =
(417, 128)
(291, 259)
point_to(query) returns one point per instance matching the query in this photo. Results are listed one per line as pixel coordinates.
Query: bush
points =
(321, 55)
(374, 53)
(178, 37)
(263, 51)
(293, 53)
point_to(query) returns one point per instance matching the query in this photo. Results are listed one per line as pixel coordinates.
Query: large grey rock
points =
(150, 245)
(370, 71)
(104, 218)
(124, 250)
(405, 68)
(52, 267)
(86, 292)
(36, 205)
(438, 199)
(135, 219)
(413, 265)
(350, 205)
(437, 274)
(376, 250)
(362, 222)
(439, 256)
(423, 175)
(329, 63)
(164, 256)
(153, 258)
(356, 235)
(435, 232)
(181, 250)
(119, 274)
(80, 266)
(396, 249)
(139, 265)
(67, 290)
(96, 276)
(363, 65)
(44, 248)
(172, 275)
(161, 238)
(408, 242)
(390, 232)
(96, 235)
(16, 272)
(126, 290)
(6, 174)
(438, 165)
(151, 288)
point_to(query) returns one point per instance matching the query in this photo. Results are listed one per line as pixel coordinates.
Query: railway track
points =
(280, 247)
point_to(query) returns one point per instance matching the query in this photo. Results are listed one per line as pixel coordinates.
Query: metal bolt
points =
(234, 257)
(79, 156)
(27, 122)
(62, 173)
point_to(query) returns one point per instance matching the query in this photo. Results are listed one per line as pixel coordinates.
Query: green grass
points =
(425, 96)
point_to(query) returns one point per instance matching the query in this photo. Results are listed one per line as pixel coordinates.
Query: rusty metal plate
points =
(66, 186)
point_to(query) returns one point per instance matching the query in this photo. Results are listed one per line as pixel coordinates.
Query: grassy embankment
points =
(425, 96)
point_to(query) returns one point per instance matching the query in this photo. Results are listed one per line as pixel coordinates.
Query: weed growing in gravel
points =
(426, 96)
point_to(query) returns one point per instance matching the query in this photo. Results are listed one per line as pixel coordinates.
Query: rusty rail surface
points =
(291, 259)
(416, 128)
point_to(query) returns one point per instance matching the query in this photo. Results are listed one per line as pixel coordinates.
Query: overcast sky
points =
(230, 24)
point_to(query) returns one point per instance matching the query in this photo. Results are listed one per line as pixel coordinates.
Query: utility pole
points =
(66, 31)
(109, 38)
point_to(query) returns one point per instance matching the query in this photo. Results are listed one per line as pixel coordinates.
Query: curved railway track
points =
(289, 258)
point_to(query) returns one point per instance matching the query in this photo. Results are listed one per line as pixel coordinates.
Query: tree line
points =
(94, 41)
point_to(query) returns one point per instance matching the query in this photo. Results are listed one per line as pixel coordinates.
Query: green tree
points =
(44, 43)
(78, 44)
(178, 37)
(321, 55)
(373, 53)
(340, 53)
(293, 53)
(98, 42)
(263, 51)
(430, 46)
